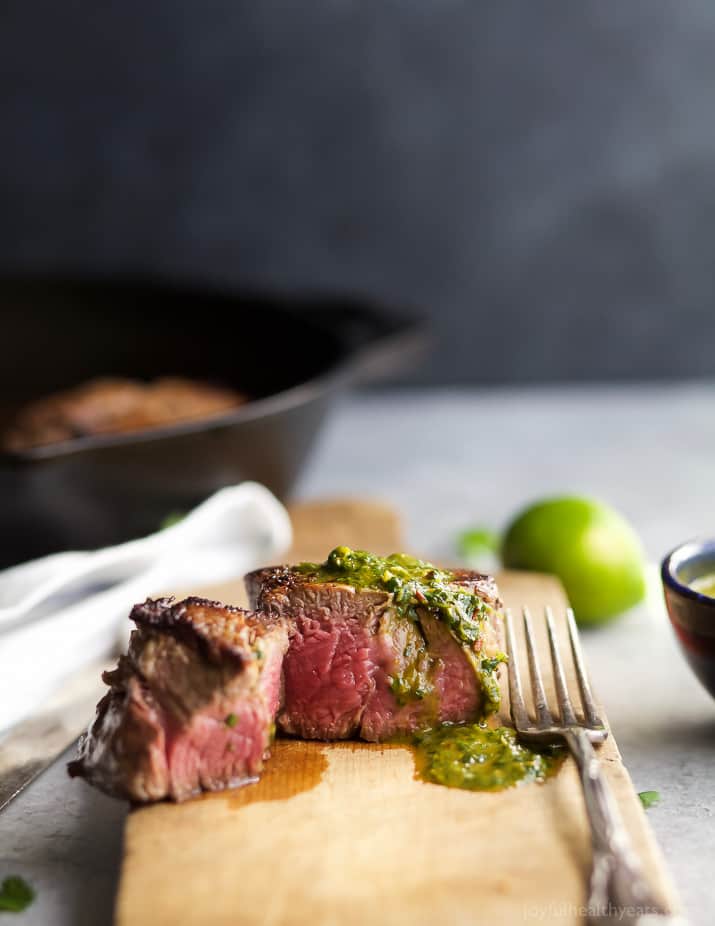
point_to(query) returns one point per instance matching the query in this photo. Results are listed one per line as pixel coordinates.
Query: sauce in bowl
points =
(704, 585)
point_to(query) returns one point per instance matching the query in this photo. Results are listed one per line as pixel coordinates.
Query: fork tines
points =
(544, 720)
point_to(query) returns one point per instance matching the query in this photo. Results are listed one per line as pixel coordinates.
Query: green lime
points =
(589, 546)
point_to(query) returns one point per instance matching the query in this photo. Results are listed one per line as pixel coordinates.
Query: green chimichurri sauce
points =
(705, 585)
(481, 758)
(416, 586)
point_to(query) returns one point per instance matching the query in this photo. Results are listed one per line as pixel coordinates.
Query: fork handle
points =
(618, 890)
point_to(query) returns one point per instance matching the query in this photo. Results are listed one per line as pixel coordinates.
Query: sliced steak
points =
(192, 704)
(356, 666)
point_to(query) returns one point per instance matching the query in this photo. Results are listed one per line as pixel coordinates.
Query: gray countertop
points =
(449, 460)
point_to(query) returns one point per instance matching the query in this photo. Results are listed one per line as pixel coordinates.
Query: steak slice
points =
(192, 704)
(356, 666)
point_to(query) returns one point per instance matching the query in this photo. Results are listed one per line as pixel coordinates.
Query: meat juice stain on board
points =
(293, 768)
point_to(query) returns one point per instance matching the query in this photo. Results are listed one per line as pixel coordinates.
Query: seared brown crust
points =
(469, 575)
(262, 582)
(480, 584)
(215, 630)
(220, 632)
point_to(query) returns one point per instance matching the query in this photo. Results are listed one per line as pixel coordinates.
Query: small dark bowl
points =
(692, 614)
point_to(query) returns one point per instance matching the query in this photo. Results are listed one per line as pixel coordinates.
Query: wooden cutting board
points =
(345, 833)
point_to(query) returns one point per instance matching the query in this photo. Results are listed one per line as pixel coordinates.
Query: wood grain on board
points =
(345, 834)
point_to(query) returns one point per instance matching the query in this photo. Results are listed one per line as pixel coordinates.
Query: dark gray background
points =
(537, 176)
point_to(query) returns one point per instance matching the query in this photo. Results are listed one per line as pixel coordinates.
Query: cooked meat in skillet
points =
(114, 406)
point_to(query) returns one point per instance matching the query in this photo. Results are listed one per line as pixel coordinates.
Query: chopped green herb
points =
(649, 798)
(410, 686)
(490, 663)
(416, 587)
(475, 543)
(231, 720)
(15, 895)
(171, 519)
(413, 679)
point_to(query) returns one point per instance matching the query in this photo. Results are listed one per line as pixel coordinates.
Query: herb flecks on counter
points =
(649, 798)
(474, 544)
(417, 586)
(171, 519)
(481, 758)
(15, 895)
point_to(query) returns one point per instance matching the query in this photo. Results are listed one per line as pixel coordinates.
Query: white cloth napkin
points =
(54, 621)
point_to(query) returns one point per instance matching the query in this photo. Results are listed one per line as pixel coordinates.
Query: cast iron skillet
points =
(292, 356)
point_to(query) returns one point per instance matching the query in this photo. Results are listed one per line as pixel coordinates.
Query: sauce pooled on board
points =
(481, 758)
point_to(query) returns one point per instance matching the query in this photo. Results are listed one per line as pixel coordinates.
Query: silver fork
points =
(618, 888)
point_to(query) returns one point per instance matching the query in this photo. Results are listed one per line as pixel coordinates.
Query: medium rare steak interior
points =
(381, 647)
(192, 704)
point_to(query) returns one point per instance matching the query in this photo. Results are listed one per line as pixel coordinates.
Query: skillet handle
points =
(375, 344)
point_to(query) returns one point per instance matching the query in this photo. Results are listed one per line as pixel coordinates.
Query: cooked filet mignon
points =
(356, 646)
(192, 704)
(114, 405)
(385, 654)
